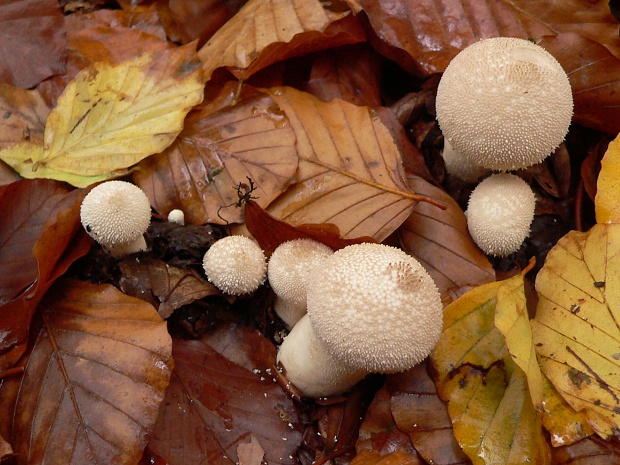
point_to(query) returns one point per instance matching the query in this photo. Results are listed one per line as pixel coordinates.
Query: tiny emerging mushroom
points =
(176, 216)
(288, 271)
(504, 103)
(236, 265)
(499, 214)
(117, 214)
(371, 308)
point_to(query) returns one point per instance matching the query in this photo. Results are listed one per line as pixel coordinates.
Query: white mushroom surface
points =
(236, 265)
(504, 103)
(499, 214)
(460, 166)
(117, 214)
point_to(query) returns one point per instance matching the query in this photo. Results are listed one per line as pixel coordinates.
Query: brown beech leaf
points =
(23, 115)
(270, 232)
(440, 240)
(593, 74)
(588, 451)
(419, 412)
(95, 378)
(5, 448)
(264, 32)
(222, 404)
(230, 140)
(397, 457)
(350, 170)
(171, 287)
(423, 36)
(33, 41)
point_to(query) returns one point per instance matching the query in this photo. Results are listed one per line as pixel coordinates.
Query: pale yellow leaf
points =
(607, 200)
(350, 171)
(577, 325)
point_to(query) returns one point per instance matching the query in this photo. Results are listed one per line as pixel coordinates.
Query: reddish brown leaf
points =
(589, 451)
(33, 41)
(7, 174)
(94, 380)
(222, 404)
(397, 457)
(234, 138)
(23, 115)
(440, 240)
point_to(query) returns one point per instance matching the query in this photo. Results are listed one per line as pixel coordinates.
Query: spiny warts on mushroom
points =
(504, 103)
(117, 214)
(372, 308)
(236, 265)
(460, 166)
(288, 271)
(499, 214)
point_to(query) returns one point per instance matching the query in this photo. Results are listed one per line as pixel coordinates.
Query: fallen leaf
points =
(607, 200)
(28, 58)
(576, 328)
(440, 240)
(222, 404)
(111, 117)
(95, 379)
(199, 19)
(234, 138)
(397, 457)
(23, 115)
(589, 451)
(259, 26)
(350, 171)
(5, 449)
(250, 453)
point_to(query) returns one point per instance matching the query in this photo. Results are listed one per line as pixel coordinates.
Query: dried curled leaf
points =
(577, 325)
(350, 171)
(95, 379)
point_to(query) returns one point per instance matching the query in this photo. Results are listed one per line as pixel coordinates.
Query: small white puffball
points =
(117, 214)
(459, 166)
(499, 214)
(236, 265)
(176, 216)
(288, 271)
(504, 103)
(310, 366)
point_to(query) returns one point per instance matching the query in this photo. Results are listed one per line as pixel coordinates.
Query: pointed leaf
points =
(95, 379)
(607, 200)
(350, 171)
(234, 138)
(577, 323)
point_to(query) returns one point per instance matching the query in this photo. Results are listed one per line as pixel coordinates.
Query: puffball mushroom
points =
(288, 271)
(371, 308)
(460, 166)
(176, 216)
(117, 214)
(504, 103)
(236, 265)
(499, 214)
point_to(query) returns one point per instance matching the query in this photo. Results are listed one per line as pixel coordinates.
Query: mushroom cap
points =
(235, 265)
(289, 267)
(504, 103)
(460, 166)
(375, 308)
(176, 216)
(115, 212)
(499, 214)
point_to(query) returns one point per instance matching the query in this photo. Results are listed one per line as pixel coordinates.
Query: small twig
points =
(11, 372)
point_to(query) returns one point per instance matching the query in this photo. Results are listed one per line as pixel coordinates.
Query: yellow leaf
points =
(23, 156)
(350, 171)
(512, 320)
(112, 116)
(577, 324)
(607, 200)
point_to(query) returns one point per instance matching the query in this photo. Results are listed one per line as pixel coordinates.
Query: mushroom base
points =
(126, 248)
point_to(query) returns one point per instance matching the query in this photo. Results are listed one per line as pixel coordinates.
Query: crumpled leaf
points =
(111, 117)
(33, 41)
(222, 402)
(95, 378)
(23, 115)
(397, 457)
(234, 138)
(494, 418)
(260, 26)
(607, 200)
(350, 170)
(440, 240)
(576, 329)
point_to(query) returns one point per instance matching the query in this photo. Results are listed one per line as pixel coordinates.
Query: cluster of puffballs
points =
(366, 308)
(502, 104)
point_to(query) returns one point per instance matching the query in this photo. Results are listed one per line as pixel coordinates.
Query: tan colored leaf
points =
(350, 171)
(111, 117)
(607, 200)
(397, 457)
(95, 379)
(234, 138)
(250, 453)
(23, 114)
(589, 451)
(5, 448)
(440, 240)
(259, 24)
(577, 323)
